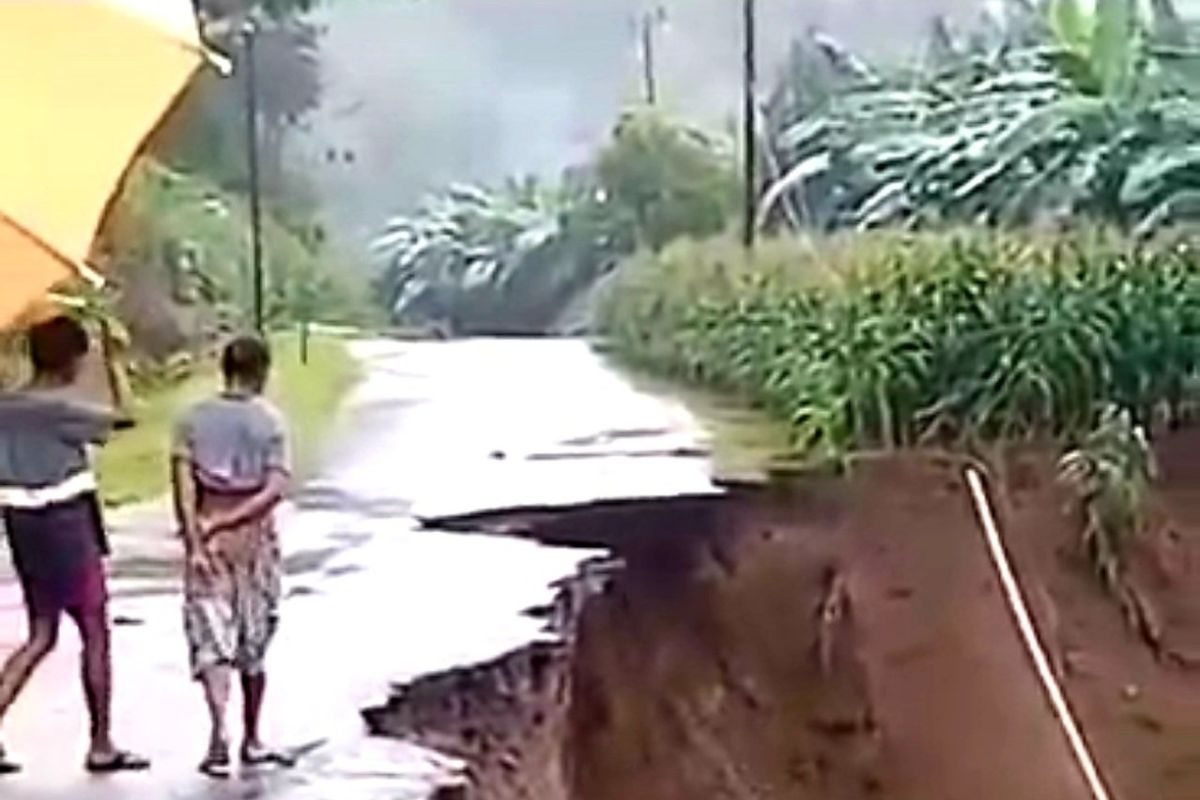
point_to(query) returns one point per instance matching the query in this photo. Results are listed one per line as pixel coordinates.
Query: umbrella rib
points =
(86, 272)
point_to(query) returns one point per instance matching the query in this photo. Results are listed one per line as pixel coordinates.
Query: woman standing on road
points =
(230, 469)
(52, 518)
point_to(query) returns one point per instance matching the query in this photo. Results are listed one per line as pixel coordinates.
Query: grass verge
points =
(746, 443)
(133, 467)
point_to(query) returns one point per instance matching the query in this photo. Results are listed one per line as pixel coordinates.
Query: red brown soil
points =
(1134, 685)
(840, 639)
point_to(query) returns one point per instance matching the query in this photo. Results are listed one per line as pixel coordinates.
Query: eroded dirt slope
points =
(835, 638)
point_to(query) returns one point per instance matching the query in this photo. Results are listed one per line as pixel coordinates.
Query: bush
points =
(892, 339)
(513, 259)
(178, 248)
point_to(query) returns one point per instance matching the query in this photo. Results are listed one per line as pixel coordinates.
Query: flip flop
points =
(121, 761)
(8, 767)
(217, 765)
(266, 756)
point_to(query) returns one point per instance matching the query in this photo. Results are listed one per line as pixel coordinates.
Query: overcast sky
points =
(426, 92)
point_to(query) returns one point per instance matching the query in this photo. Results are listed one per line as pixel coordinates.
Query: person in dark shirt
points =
(51, 516)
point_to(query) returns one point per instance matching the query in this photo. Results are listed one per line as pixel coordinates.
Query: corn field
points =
(891, 340)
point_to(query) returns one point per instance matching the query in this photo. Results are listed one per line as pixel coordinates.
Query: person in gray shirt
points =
(230, 469)
(52, 520)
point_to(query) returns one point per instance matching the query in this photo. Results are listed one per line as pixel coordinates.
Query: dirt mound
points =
(838, 639)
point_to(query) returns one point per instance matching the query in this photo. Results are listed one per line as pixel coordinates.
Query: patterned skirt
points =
(231, 613)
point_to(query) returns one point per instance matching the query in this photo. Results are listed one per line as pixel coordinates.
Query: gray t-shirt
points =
(45, 435)
(233, 442)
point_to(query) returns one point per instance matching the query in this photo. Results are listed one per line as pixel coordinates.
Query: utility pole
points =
(256, 253)
(651, 20)
(648, 58)
(749, 126)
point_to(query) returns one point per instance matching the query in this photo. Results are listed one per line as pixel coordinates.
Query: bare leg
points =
(96, 671)
(216, 682)
(254, 689)
(42, 639)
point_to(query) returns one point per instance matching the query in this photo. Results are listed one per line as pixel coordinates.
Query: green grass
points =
(309, 394)
(747, 443)
(133, 467)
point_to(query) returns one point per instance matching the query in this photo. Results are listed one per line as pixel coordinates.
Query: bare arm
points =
(183, 482)
(253, 507)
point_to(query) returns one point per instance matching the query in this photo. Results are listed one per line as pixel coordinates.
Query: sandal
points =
(121, 761)
(8, 767)
(217, 764)
(265, 756)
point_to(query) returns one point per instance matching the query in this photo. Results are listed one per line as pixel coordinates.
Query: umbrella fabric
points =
(82, 85)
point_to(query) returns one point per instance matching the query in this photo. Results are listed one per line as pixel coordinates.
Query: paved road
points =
(435, 428)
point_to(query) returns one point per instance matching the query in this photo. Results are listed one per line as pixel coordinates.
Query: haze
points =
(425, 92)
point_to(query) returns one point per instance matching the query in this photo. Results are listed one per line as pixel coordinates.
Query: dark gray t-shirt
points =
(233, 442)
(45, 435)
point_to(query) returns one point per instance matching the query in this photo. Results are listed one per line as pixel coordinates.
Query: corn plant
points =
(891, 340)
(1111, 470)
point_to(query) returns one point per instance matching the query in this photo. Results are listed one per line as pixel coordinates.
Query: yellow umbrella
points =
(83, 83)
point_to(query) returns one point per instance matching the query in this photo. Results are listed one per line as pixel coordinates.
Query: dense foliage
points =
(1054, 111)
(176, 246)
(510, 259)
(886, 340)
(663, 180)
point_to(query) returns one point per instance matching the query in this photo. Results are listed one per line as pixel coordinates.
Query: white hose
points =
(1020, 612)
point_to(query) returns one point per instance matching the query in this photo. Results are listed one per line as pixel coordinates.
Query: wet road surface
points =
(434, 429)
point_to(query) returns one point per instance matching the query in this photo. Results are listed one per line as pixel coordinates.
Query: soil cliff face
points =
(837, 639)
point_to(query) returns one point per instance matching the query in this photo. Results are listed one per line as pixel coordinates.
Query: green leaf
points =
(1152, 176)
(1071, 25)
(1115, 45)
(883, 205)
(794, 179)
(1179, 207)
